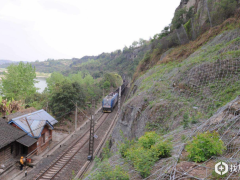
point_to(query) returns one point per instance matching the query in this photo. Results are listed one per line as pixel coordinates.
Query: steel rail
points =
(74, 144)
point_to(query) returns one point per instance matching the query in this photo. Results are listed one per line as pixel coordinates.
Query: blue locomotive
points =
(110, 101)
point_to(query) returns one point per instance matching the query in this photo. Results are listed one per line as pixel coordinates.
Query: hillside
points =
(3, 61)
(48, 66)
(122, 62)
(186, 85)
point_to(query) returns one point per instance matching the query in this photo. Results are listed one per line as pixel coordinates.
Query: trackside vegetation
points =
(144, 152)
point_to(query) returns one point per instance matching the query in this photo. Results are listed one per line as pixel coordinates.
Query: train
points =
(110, 101)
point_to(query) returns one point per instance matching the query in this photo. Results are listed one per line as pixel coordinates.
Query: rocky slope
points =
(199, 80)
(197, 86)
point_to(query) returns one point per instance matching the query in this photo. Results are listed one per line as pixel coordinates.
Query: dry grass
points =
(182, 52)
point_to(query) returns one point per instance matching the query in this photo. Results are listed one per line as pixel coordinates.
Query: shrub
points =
(204, 146)
(148, 139)
(145, 152)
(141, 159)
(161, 149)
(123, 147)
(106, 171)
(185, 120)
(194, 120)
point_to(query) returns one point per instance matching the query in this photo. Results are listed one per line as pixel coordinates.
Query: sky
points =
(63, 29)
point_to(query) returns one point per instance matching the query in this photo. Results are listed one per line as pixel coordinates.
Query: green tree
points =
(18, 81)
(106, 85)
(64, 96)
(135, 43)
(178, 19)
(56, 78)
(141, 41)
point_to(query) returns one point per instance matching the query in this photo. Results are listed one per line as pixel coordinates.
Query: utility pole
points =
(103, 92)
(47, 107)
(91, 136)
(76, 117)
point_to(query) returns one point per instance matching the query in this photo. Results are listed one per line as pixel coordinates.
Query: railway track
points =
(55, 168)
(87, 164)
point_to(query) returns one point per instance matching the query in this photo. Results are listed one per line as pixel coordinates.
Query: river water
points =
(42, 84)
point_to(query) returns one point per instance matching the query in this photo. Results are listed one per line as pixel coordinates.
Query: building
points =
(37, 125)
(11, 147)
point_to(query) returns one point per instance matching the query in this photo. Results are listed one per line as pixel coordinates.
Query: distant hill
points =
(50, 65)
(4, 61)
(122, 62)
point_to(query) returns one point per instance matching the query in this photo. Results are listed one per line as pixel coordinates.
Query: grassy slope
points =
(190, 76)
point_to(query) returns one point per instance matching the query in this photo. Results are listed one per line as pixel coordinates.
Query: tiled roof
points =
(27, 140)
(33, 123)
(8, 133)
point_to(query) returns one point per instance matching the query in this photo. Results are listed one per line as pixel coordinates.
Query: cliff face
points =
(202, 8)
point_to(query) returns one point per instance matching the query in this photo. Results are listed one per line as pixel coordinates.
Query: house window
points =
(43, 138)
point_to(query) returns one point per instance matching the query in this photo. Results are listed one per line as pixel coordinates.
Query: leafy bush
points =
(145, 152)
(204, 146)
(141, 159)
(106, 171)
(162, 149)
(124, 146)
(106, 153)
(148, 139)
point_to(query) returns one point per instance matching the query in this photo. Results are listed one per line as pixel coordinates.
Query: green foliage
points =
(123, 147)
(226, 7)
(142, 159)
(187, 27)
(106, 85)
(185, 121)
(55, 79)
(204, 146)
(161, 149)
(64, 96)
(194, 120)
(51, 65)
(106, 171)
(19, 81)
(37, 100)
(183, 138)
(145, 152)
(178, 19)
(106, 151)
(148, 139)
(190, 13)
(134, 44)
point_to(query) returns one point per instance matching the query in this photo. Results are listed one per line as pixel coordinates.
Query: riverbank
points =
(42, 75)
